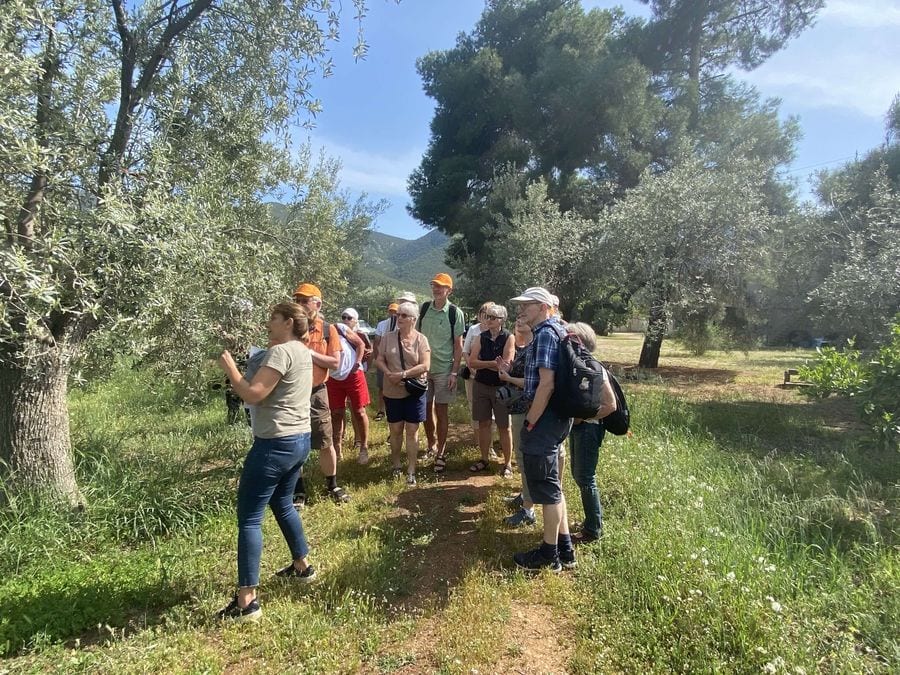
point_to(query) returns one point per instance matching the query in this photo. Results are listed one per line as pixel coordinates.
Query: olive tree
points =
(136, 143)
(685, 239)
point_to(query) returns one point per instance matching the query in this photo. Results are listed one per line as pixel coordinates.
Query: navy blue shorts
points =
(410, 409)
(542, 477)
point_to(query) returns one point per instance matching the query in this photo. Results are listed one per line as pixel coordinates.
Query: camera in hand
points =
(509, 394)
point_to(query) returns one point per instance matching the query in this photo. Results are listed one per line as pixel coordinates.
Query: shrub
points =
(874, 384)
(833, 372)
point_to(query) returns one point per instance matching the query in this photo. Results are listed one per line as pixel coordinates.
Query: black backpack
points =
(617, 422)
(578, 380)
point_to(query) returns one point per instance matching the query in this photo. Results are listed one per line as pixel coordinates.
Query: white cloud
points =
(841, 62)
(863, 13)
(365, 171)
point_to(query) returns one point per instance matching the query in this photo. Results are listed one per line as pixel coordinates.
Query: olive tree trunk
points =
(35, 447)
(653, 338)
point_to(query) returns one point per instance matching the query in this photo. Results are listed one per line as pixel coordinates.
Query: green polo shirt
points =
(436, 327)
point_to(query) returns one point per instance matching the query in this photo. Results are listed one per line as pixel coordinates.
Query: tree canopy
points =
(138, 140)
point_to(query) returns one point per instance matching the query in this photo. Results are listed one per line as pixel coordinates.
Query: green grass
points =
(746, 530)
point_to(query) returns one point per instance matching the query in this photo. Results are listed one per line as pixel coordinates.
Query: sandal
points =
(379, 416)
(440, 464)
(480, 465)
(506, 471)
(339, 495)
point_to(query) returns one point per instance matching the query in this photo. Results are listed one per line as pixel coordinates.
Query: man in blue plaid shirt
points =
(543, 433)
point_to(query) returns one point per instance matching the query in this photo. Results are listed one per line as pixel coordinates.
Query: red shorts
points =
(354, 388)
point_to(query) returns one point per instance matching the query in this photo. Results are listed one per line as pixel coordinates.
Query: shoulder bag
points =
(414, 386)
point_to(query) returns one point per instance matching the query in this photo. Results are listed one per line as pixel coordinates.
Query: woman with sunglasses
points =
(491, 344)
(350, 385)
(404, 357)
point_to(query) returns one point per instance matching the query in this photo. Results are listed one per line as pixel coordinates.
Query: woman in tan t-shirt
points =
(405, 411)
(280, 390)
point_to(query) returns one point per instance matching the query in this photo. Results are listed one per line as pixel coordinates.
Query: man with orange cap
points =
(325, 349)
(443, 323)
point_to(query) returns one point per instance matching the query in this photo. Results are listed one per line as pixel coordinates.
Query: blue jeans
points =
(586, 441)
(270, 472)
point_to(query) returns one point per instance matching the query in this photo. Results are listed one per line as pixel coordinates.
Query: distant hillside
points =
(407, 262)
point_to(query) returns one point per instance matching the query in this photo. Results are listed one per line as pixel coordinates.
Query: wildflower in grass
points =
(776, 607)
(730, 577)
(770, 568)
(774, 665)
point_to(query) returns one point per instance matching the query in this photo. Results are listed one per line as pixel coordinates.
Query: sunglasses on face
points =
(302, 301)
(491, 317)
(346, 317)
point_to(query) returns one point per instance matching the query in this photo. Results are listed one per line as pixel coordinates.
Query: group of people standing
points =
(296, 407)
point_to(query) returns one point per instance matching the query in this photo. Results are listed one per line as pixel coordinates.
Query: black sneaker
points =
(534, 561)
(299, 500)
(291, 572)
(231, 611)
(567, 559)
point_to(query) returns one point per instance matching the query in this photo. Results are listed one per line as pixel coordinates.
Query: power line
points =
(813, 166)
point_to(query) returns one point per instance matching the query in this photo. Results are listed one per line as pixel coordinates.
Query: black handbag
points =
(414, 386)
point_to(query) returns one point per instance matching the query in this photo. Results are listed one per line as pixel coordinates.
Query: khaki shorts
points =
(437, 388)
(486, 405)
(320, 419)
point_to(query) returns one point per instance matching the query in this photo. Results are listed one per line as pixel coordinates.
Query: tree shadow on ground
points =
(112, 605)
(825, 432)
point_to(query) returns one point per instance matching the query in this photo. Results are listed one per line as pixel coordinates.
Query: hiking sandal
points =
(440, 464)
(339, 495)
(480, 465)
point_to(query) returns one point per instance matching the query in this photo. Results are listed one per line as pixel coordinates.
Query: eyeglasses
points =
(406, 316)
(302, 301)
(491, 317)
(347, 317)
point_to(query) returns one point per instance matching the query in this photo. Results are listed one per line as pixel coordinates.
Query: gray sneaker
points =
(521, 517)
(514, 502)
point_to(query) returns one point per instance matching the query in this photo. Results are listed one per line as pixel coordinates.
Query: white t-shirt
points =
(383, 327)
(473, 333)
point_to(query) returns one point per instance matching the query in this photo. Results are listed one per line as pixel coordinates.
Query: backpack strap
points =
(326, 331)
(422, 311)
(454, 315)
(452, 310)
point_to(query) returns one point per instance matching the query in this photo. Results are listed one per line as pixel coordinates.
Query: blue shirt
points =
(542, 353)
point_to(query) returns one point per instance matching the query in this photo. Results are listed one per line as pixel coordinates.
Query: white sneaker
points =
(411, 479)
(363, 456)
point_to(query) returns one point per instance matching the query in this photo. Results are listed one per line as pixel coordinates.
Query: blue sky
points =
(838, 77)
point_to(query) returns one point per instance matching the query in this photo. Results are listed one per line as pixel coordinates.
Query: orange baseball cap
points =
(393, 306)
(308, 291)
(442, 279)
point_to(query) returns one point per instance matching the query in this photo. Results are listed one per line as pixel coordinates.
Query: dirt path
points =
(534, 636)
